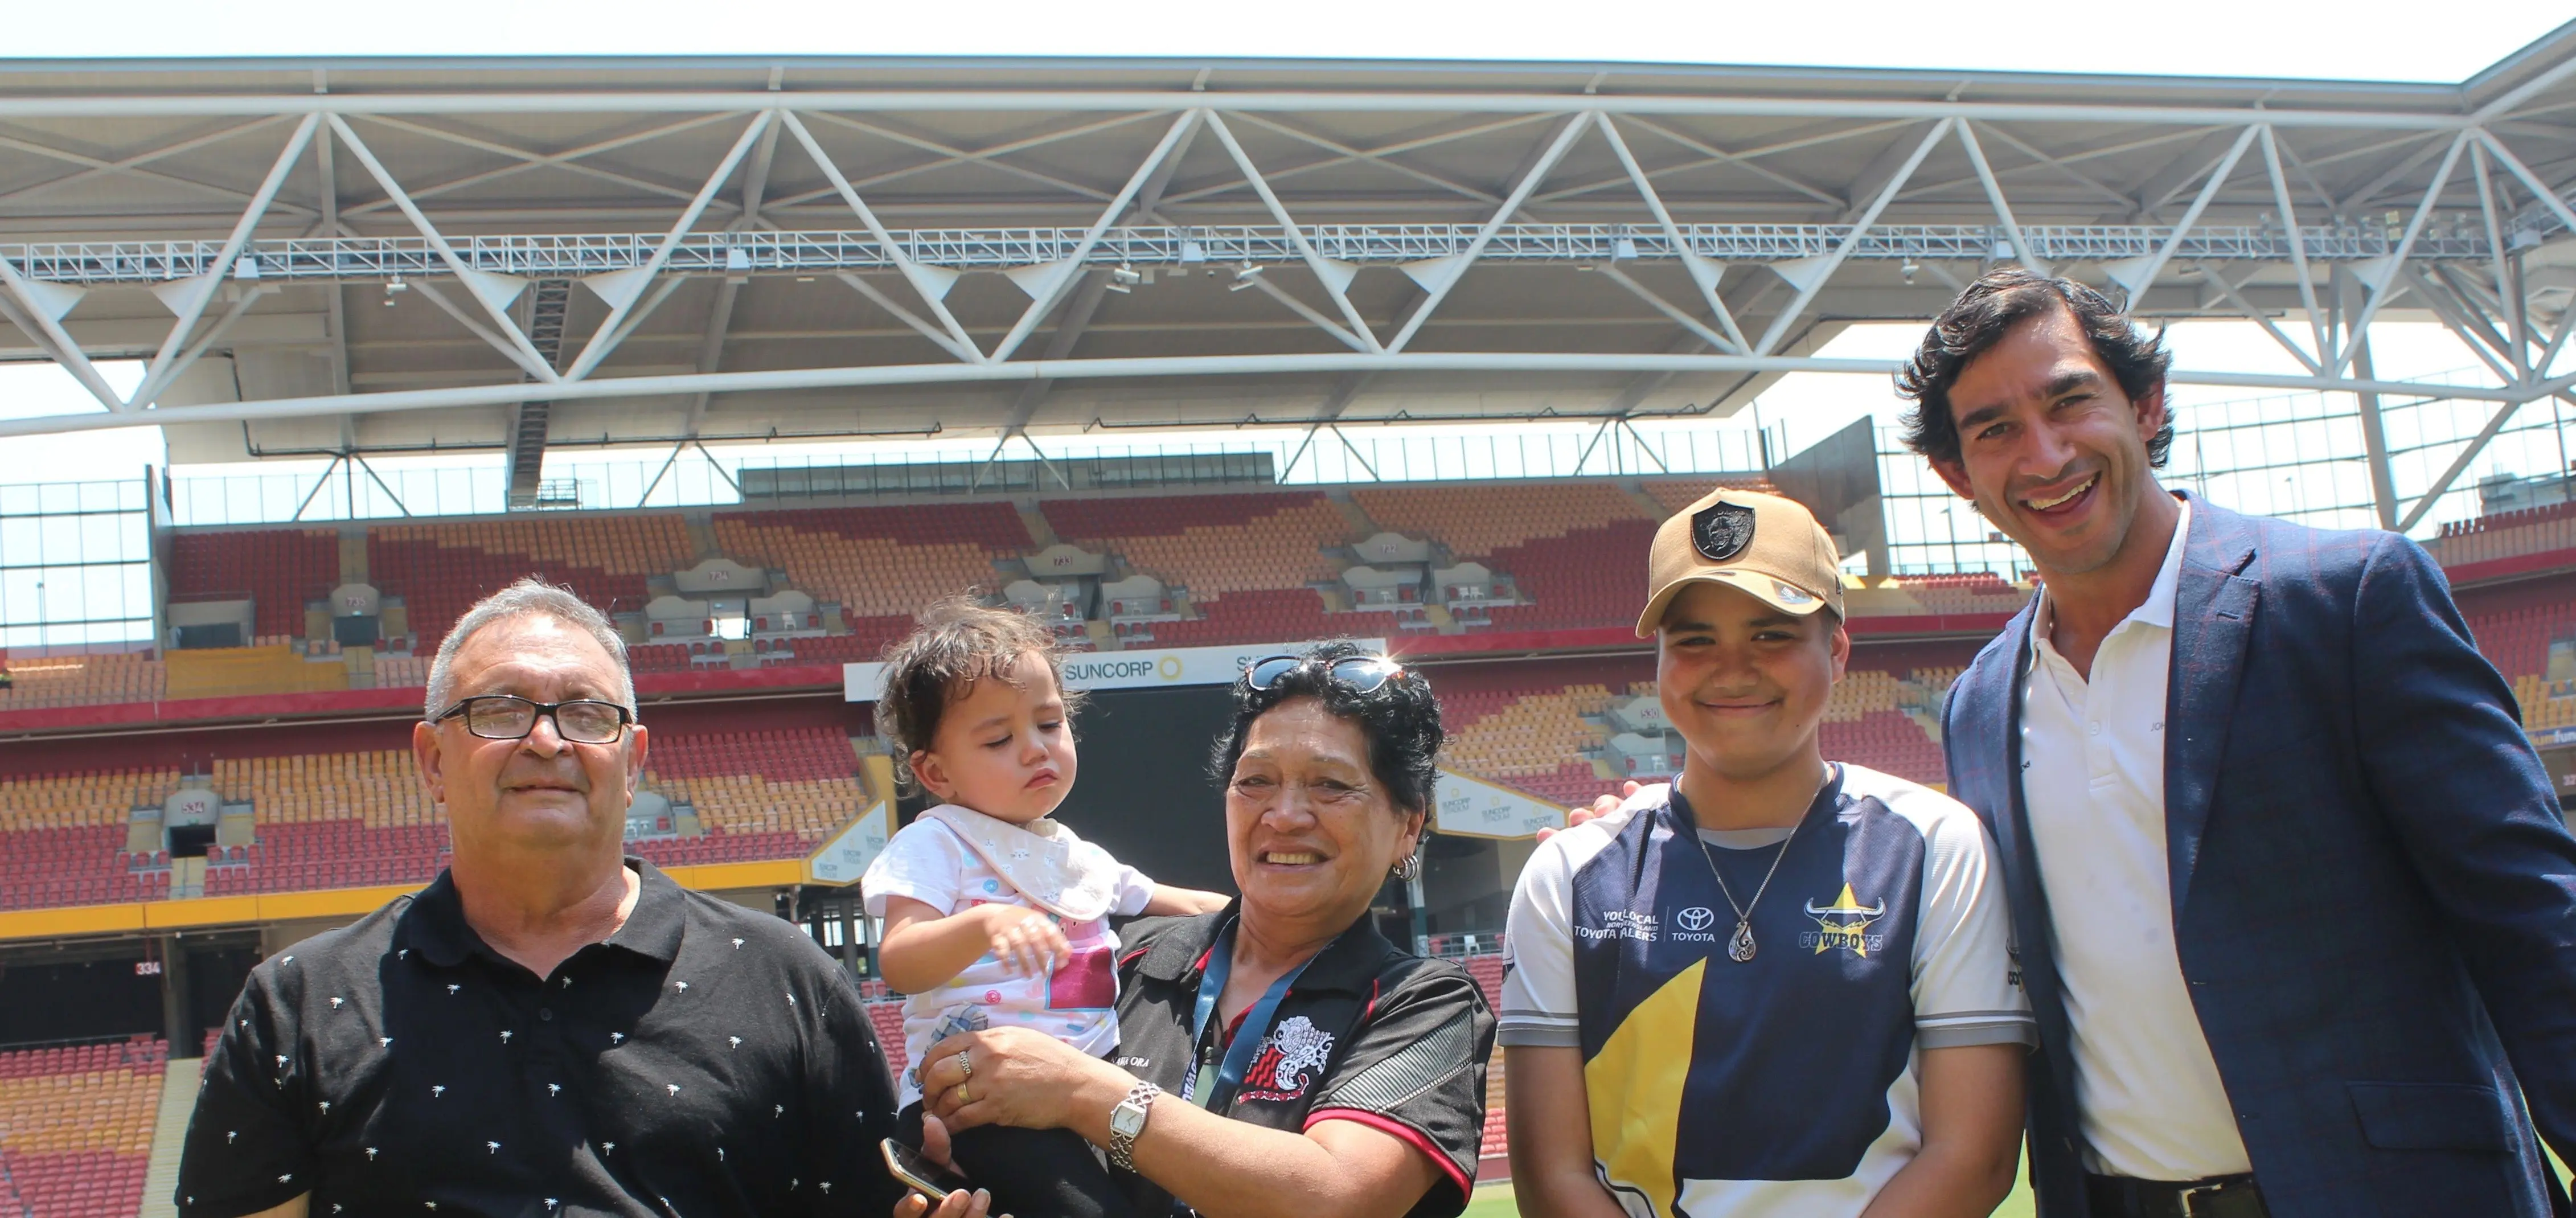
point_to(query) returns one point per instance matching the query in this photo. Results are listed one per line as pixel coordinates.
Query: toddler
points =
(994, 914)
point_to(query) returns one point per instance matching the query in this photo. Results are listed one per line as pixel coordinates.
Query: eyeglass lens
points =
(503, 717)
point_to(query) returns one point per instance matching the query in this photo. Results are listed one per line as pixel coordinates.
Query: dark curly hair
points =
(960, 641)
(1400, 719)
(1999, 300)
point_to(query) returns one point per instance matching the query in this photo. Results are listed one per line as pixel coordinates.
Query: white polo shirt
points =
(2093, 782)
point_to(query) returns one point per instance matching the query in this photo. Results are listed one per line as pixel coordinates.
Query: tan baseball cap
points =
(1764, 544)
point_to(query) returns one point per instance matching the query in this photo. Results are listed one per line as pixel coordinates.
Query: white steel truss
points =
(1740, 220)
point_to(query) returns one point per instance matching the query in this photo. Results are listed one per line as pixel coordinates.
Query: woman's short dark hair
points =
(1400, 720)
(1999, 300)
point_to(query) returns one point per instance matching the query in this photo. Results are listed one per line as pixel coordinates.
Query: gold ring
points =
(962, 1097)
(965, 1066)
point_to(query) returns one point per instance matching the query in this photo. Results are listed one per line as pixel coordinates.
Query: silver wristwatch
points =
(1126, 1121)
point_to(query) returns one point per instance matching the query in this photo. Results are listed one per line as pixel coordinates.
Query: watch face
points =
(1127, 1119)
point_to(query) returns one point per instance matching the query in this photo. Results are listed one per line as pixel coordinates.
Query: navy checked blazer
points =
(2374, 894)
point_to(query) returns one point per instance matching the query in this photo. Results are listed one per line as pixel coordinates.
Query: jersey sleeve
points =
(922, 863)
(246, 1151)
(1416, 1070)
(1538, 962)
(1967, 988)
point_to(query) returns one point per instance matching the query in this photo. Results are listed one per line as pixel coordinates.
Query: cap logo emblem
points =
(1720, 531)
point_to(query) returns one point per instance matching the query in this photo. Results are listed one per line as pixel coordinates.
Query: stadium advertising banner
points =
(1472, 807)
(846, 857)
(1134, 669)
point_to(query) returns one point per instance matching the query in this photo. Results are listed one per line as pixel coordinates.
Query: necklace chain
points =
(1740, 946)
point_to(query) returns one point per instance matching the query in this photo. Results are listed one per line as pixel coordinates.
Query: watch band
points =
(1126, 1121)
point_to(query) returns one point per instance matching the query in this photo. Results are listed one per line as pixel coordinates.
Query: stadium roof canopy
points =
(391, 254)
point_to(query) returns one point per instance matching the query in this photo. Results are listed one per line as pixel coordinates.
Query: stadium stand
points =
(882, 564)
(62, 838)
(1532, 739)
(1264, 615)
(785, 786)
(1215, 545)
(1477, 522)
(2506, 535)
(44, 682)
(358, 818)
(279, 569)
(440, 570)
(76, 1127)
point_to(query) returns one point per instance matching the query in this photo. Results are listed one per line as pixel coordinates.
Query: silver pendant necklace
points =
(1740, 946)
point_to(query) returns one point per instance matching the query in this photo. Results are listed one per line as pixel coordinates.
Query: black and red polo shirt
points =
(1366, 1033)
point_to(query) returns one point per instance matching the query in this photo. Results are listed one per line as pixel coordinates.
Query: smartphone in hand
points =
(921, 1175)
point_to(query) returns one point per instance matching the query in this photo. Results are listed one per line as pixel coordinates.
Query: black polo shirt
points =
(703, 1060)
(1366, 1033)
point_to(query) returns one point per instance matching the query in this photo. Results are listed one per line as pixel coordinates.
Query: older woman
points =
(1279, 1057)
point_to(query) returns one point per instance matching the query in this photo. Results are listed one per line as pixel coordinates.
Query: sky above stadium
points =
(2372, 40)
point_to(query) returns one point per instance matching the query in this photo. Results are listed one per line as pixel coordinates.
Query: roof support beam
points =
(1044, 302)
(513, 342)
(595, 350)
(1382, 160)
(1438, 290)
(1382, 151)
(27, 308)
(755, 184)
(132, 165)
(1333, 276)
(2217, 278)
(191, 300)
(569, 160)
(930, 283)
(2541, 190)
(2296, 238)
(1868, 216)
(1513, 364)
(2386, 278)
(1995, 196)
(1733, 105)
(1702, 272)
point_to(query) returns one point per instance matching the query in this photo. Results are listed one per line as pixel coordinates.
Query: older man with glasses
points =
(552, 1027)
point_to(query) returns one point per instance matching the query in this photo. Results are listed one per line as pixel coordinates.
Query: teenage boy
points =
(1780, 986)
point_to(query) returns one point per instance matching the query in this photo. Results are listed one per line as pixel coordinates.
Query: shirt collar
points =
(2157, 610)
(1348, 963)
(435, 925)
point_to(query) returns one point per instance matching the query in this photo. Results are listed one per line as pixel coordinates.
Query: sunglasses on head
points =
(1361, 674)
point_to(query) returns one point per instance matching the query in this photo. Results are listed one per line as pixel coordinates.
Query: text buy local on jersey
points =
(1785, 1084)
(1131, 669)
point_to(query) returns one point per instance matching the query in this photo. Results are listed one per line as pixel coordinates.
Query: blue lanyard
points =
(1247, 1039)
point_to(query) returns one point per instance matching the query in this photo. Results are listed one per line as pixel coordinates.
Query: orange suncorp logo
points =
(1845, 925)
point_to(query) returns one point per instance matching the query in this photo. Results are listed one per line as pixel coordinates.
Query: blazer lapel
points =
(2213, 619)
(1992, 715)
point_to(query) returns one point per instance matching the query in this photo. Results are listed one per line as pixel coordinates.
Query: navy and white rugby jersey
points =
(1783, 1085)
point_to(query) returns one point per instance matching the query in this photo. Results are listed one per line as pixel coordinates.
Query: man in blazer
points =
(2294, 903)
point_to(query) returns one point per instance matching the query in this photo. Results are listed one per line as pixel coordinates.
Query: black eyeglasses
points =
(1363, 674)
(510, 717)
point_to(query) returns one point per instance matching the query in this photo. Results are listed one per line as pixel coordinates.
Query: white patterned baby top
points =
(954, 858)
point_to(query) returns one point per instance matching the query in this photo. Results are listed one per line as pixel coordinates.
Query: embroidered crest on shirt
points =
(1845, 925)
(1281, 1071)
(1057, 871)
